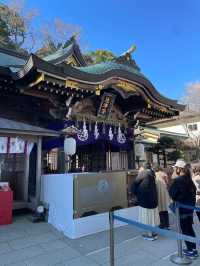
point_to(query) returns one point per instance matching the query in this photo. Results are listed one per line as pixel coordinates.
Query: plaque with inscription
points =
(106, 105)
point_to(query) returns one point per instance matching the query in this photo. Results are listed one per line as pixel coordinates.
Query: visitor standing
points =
(196, 179)
(163, 196)
(169, 172)
(144, 188)
(183, 190)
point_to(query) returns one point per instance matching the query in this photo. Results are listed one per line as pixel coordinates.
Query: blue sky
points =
(166, 33)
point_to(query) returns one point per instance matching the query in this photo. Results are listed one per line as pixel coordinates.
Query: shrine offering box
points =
(6, 205)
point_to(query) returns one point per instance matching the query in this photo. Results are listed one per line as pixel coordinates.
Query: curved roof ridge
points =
(112, 71)
(60, 52)
(104, 67)
(63, 53)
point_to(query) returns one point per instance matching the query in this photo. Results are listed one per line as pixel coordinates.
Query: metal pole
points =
(179, 258)
(112, 254)
(178, 227)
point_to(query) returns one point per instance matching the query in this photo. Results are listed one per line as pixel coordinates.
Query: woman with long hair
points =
(183, 190)
(144, 188)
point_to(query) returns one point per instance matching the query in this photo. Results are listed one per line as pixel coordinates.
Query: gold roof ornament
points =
(130, 50)
(98, 89)
(71, 84)
(126, 58)
(127, 86)
(38, 80)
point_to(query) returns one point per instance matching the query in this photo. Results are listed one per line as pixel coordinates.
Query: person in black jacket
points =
(144, 188)
(183, 190)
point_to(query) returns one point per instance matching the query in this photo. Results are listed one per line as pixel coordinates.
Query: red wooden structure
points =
(6, 202)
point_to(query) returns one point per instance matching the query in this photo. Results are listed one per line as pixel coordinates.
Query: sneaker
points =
(191, 253)
(149, 238)
(196, 254)
(155, 236)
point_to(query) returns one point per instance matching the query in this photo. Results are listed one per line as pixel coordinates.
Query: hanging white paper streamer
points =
(111, 135)
(120, 136)
(96, 131)
(83, 134)
(17, 145)
(3, 144)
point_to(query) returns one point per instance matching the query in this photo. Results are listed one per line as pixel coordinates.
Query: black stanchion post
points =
(179, 258)
(112, 247)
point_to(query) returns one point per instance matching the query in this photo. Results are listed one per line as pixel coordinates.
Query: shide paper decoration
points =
(96, 131)
(83, 134)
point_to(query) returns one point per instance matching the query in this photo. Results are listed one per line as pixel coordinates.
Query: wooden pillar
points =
(38, 169)
(131, 155)
(133, 151)
(61, 160)
(26, 178)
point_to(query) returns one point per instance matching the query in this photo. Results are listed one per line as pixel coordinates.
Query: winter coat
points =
(196, 180)
(144, 188)
(163, 194)
(183, 192)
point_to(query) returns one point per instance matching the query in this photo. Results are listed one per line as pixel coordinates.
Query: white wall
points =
(181, 129)
(175, 129)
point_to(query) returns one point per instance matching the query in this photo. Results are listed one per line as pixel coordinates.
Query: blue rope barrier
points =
(159, 231)
(187, 207)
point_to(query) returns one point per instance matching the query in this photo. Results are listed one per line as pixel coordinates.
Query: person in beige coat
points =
(196, 180)
(163, 197)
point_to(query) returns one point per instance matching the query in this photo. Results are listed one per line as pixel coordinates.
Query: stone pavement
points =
(26, 244)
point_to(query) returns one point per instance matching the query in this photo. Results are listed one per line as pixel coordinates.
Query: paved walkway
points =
(26, 244)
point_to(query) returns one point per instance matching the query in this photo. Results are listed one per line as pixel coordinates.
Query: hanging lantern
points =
(139, 150)
(70, 146)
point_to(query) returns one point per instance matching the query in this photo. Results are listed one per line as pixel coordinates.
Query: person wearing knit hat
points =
(183, 190)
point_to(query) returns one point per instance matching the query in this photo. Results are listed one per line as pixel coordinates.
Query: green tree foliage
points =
(15, 26)
(99, 56)
(174, 155)
(166, 142)
(17, 30)
(4, 34)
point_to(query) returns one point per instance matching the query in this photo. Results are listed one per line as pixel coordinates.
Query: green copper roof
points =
(61, 52)
(13, 62)
(108, 66)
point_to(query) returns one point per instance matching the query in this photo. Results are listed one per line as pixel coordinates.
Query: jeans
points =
(187, 229)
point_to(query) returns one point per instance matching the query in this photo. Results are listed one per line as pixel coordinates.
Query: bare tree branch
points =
(192, 96)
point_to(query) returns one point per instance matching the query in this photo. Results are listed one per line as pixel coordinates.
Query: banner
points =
(91, 133)
(3, 144)
(16, 145)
